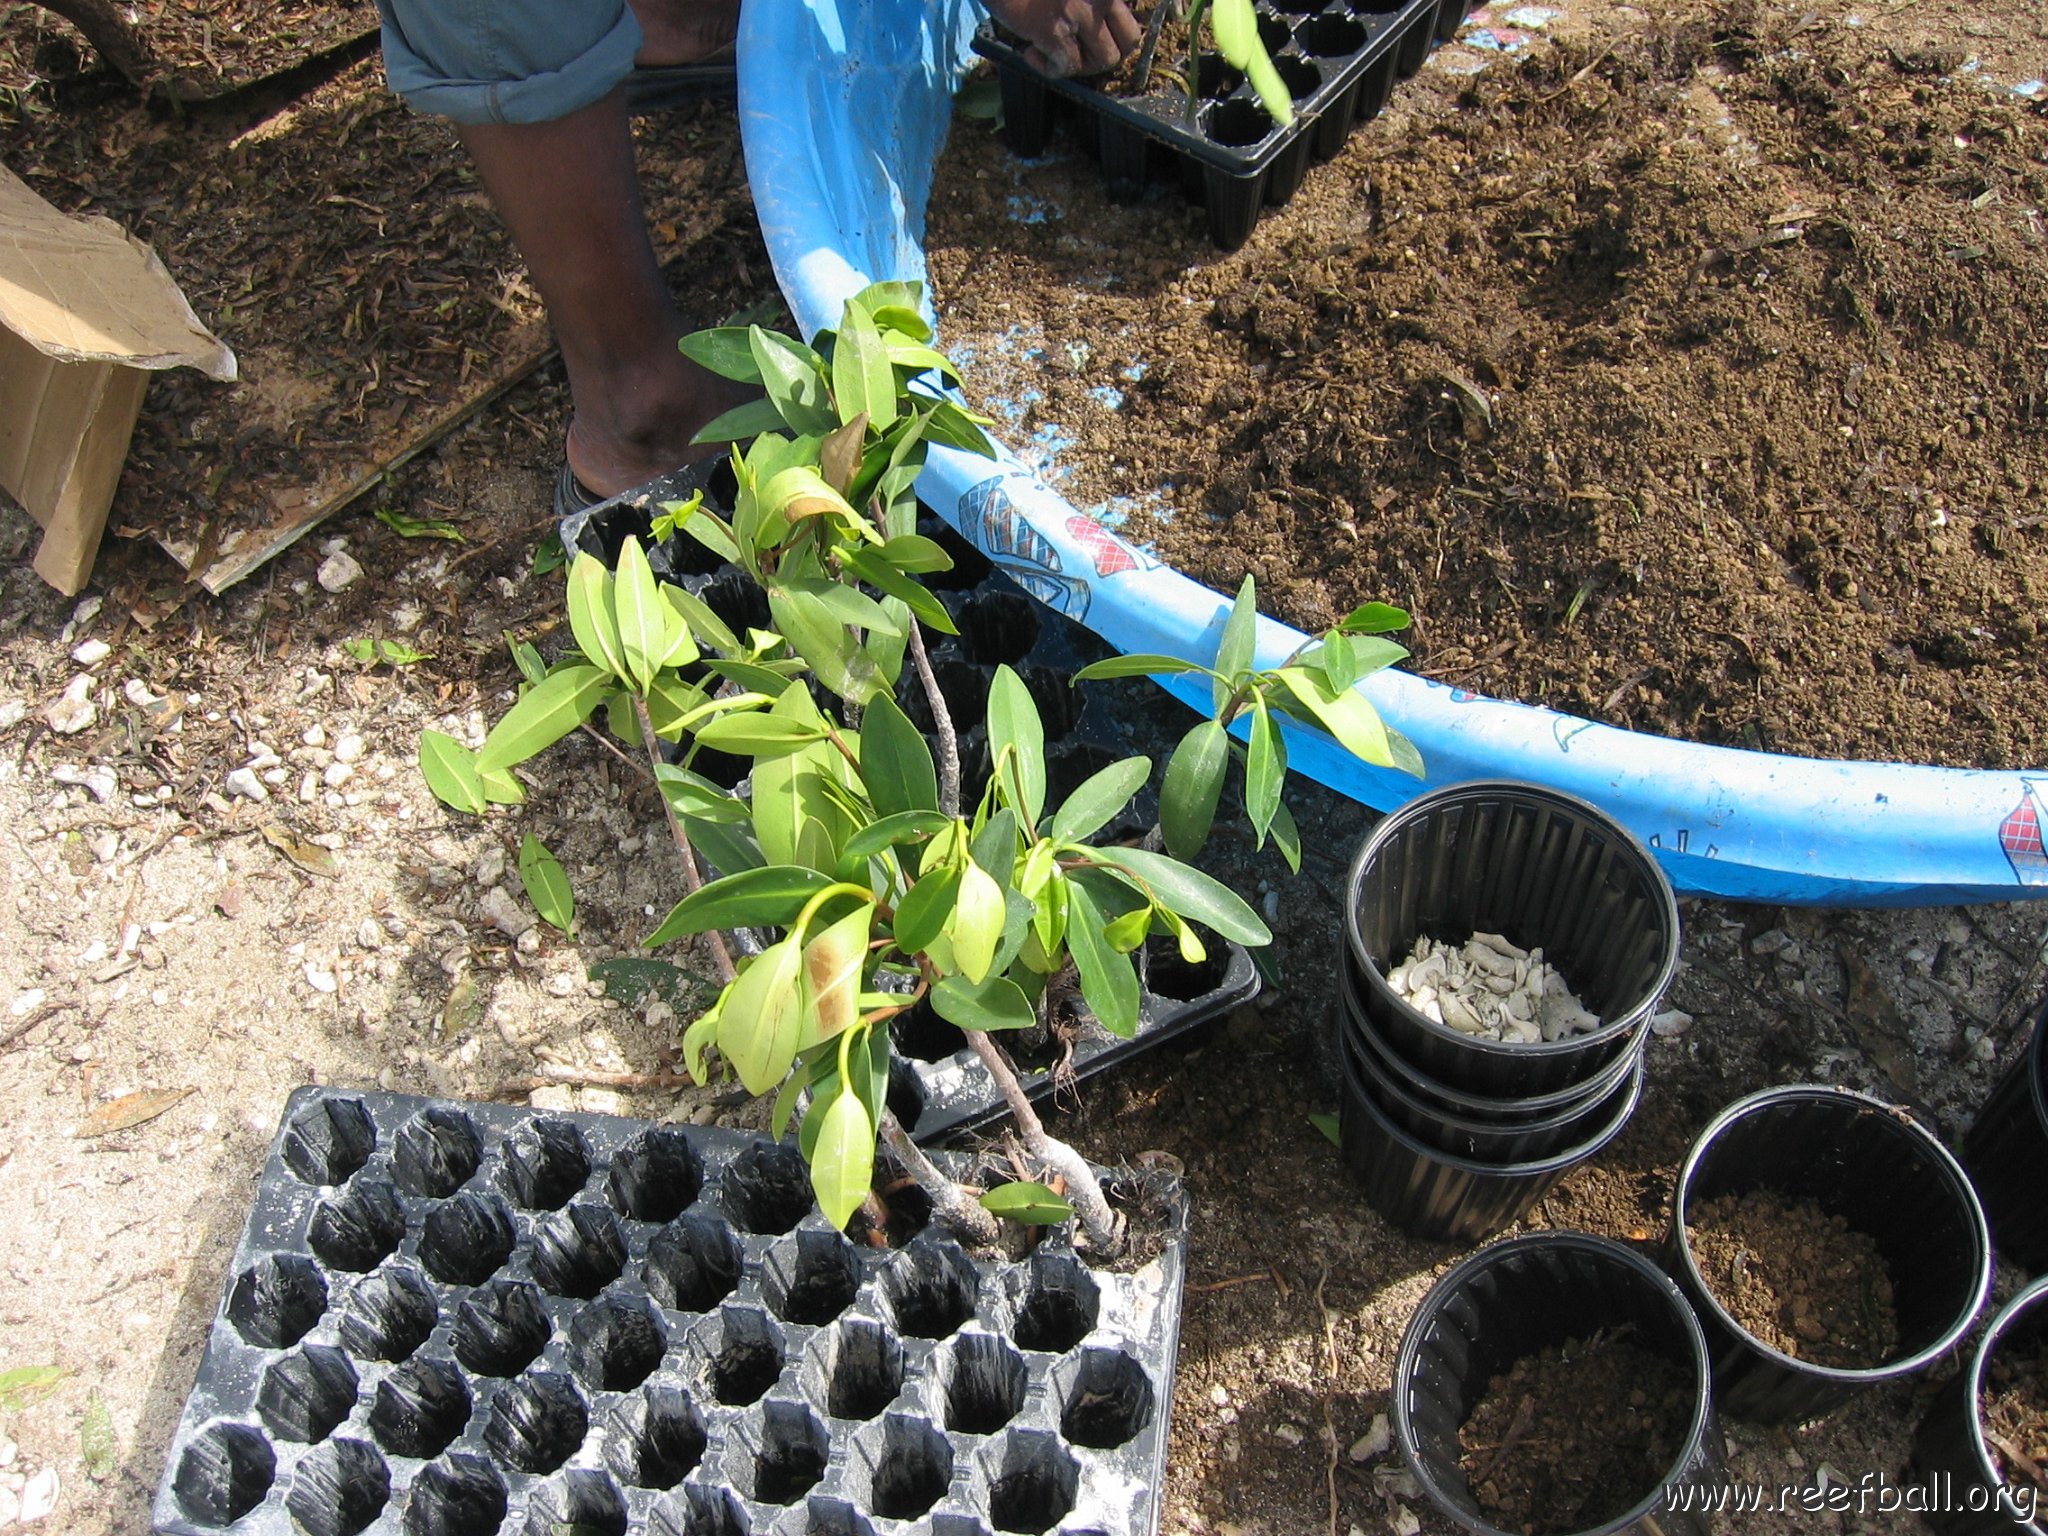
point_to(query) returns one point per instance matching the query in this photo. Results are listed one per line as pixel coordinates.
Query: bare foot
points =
(685, 31)
(638, 432)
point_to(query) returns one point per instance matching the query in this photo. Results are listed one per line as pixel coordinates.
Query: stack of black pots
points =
(1455, 1136)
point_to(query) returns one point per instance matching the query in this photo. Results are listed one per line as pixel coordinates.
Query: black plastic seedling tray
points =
(452, 1319)
(938, 1087)
(1339, 58)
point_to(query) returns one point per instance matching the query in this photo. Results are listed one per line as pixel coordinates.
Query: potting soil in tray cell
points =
(1338, 58)
(451, 1318)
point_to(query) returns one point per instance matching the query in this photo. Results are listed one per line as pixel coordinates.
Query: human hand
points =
(1071, 37)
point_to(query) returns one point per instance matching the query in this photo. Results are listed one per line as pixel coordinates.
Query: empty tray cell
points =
(962, 685)
(501, 1328)
(437, 1152)
(929, 1289)
(981, 1381)
(1032, 1480)
(778, 1456)
(655, 1176)
(698, 1510)
(339, 1489)
(1058, 700)
(545, 1163)
(329, 1140)
(537, 1422)
(582, 1502)
(1302, 76)
(655, 1438)
(578, 1252)
(464, 1240)
(898, 1469)
(825, 1516)
(276, 1301)
(462, 1496)
(922, 1035)
(389, 1314)
(854, 1368)
(766, 1189)
(307, 1394)
(357, 1228)
(740, 1354)
(616, 1343)
(907, 1208)
(420, 1408)
(1053, 1303)
(693, 1263)
(1332, 36)
(810, 1277)
(1238, 123)
(224, 1473)
(1105, 1397)
(1169, 975)
(997, 628)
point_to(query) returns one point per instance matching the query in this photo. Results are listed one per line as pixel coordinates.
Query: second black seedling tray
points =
(1339, 58)
(453, 1319)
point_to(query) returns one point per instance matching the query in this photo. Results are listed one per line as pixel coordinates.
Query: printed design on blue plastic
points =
(2019, 834)
(990, 518)
(1564, 727)
(1112, 556)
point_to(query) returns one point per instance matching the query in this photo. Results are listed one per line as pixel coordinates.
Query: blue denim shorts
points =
(506, 61)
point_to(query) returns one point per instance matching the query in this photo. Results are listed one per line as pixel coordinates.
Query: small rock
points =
(349, 748)
(136, 692)
(320, 979)
(8, 1452)
(98, 780)
(1402, 1522)
(511, 919)
(314, 735)
(562, 983)
(91, 653)
(73, 710)
(370, 934)
(528, 943)
(1770, 942)
(26, 1003)
(334, 775)
(244, 782)
(553, 1096)
(106, 846)
(1220, 1395)
(1672, 1021)
(490, 866)
(1374, 1443)
(339, 571)
(1288, 1434)
(39, 1498)
(12, 713)
(10, 1506)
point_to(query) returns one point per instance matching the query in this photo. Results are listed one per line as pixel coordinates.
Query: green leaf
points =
(691, 794)
(1287, 836)
(823, 642)
(948, 424)
(1346, 716)
(1137, 665)
(1124, 934)
(1099, 799)
(1031, 1205)
(409, 527)
(889, 831)
(1403, 752)
(1049, 916)
(754, 734)
(527, 660)
(501, 787)
(726, 350)
(921, 915)
(862, 379)
(752, 898)
(1016, 740)
(1194, 783)
(548, 554)
(895, 762)
(872, 566)
(1190, 893)
(1373, 619)
(548, 888)
(1265, 768)
(713, 532)
(451, 772)
(846, 604)
(756, 677)
(790, 373)
(761, 1018)
(699, 1038)
(673, 706)
(1109, 982)
(796, 1085)
(979, 912)
(389, 653)
(1234, 650)
(641, 615)
(996, 1003)
(25, 1383)
(544, 715)
(833, 961)
(915, 553)
(1327, 1124)
(705, 624)
(843, 1160)
(590, 614)
(740, 424)
(96, 1446)
(728, 847)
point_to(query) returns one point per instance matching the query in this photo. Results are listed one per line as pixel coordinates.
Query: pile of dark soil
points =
(1803, 1281)
(1692, 382)
(1574, 1436)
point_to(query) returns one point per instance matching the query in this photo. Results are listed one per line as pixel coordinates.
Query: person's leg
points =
(685, 31)
(569, 193)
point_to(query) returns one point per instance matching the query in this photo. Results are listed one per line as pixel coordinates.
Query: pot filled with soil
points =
(2006, 1151)
(1829, 1242)
(1433, 1193)
(1507, 939)
(1986, 1434)
(1558, 1382)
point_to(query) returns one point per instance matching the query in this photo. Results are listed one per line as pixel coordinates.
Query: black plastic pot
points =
(1515, 1298)
(1369, 1073)
(1949, 1452)
(1490, 1109)
(2006, 1151)
(1542, 868)
(1875, 1167)
(1432, 1193)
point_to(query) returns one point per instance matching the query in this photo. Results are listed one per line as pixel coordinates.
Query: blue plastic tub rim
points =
(844, 106)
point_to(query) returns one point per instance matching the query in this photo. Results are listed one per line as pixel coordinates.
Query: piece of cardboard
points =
(86, 310)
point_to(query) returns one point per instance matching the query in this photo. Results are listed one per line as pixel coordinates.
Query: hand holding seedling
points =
(1071, 37)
